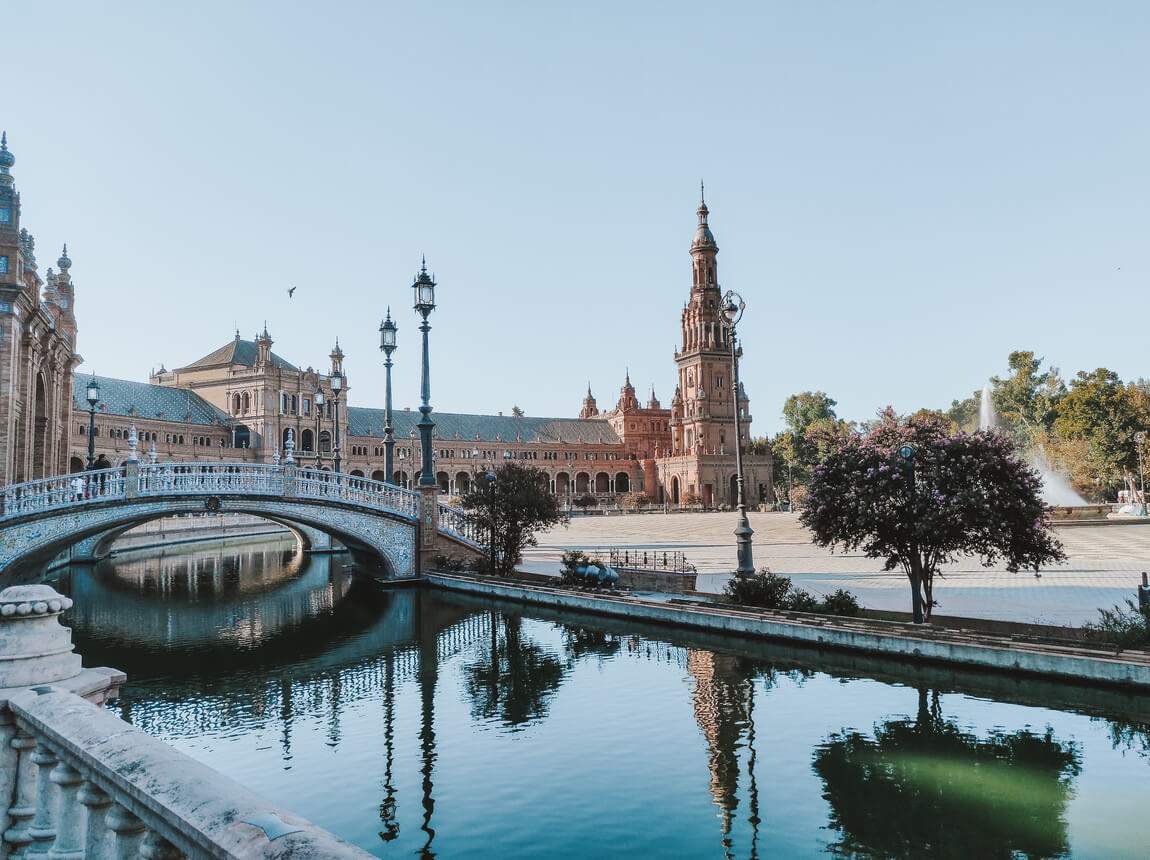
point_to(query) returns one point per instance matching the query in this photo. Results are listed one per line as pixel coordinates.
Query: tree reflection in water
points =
(925, 788)
(517, 678)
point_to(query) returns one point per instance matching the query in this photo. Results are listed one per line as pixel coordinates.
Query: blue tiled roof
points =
(485, 428)
(237, 351)
(120, 396)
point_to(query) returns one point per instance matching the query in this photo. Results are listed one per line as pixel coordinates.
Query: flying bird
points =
(291, 292)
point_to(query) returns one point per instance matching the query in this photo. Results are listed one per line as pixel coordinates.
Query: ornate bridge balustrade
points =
(372, 519)
(455, 522)
(199, 479)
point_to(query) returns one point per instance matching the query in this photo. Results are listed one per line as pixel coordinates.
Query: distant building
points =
(239, 402)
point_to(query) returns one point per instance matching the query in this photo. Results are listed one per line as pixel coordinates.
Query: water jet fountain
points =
(1056, 491)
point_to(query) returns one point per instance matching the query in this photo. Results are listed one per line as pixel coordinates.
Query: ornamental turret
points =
(590, 409)
(264, 348)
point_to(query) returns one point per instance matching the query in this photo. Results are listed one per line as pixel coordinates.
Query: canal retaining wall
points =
(894, 640)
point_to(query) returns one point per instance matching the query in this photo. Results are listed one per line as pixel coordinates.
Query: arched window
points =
(307, 440)
(235, 404)
(247, 402)
(324, 442)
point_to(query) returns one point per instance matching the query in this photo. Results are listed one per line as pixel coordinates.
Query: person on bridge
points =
(77, 488)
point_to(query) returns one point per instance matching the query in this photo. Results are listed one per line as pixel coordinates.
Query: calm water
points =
(414, 723)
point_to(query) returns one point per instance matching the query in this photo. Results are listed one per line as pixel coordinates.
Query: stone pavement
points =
(1104, 564)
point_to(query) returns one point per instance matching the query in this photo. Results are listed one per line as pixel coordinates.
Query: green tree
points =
(1027, 400)
(963, 414)
(1094, 431)
(800, 411)
(518, 505)
(810, 416)
(971, 495)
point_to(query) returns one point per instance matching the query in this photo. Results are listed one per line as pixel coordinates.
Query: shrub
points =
(451, 563)
(586, 501)
(1126, 628)
(571, 560)
(799, 496)
(763, 589)
(767, 590)
(692, 499)
(842, 602)
(801, 600)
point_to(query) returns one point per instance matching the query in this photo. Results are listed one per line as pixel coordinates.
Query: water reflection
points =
(417, 723)
(514, 681)
(924, 787)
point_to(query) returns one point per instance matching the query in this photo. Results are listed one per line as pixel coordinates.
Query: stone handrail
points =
(76, 781)
(90, 785)
(45, 494)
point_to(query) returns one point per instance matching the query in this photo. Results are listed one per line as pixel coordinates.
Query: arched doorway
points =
(379, 475)
(675, 490)
(602, 483)
(734, 496)
(357, 473)
(622, 483)
(307, 440)
(242, 437)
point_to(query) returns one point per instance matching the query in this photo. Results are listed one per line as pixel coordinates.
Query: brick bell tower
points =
(703, 418)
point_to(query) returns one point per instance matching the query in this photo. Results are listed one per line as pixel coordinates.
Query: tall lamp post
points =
(424, 290)
(336, 388)
(387, 330)
(730, 314)
(1140, 438)
(318, 413)
(93, 399)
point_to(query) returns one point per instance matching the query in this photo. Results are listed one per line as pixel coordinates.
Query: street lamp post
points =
(318, 413)
(424, 290)
(730, 314)
(336, 388)
(387, 330)
(1140, 438)
(93, 399)
(907, 452)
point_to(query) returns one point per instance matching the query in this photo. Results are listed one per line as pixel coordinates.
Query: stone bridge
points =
(397, 532)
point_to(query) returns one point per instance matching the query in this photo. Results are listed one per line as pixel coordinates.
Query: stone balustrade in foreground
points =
(78, 782)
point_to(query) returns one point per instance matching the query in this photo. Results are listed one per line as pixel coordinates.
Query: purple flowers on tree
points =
(971, 496)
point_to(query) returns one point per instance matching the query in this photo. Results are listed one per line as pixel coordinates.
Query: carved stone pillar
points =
(69, 820)
(43, 829)
(156, 847)
(24, 804)
(127, 833)
(97, 835)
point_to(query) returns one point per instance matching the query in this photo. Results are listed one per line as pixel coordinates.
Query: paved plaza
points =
(1104, 564)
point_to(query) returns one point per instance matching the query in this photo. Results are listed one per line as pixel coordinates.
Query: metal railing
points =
(651, 559)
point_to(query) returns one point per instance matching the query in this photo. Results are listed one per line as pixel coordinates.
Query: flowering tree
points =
(961, 494)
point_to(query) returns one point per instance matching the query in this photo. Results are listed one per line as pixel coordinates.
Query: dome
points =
(64, 262)
(703, 236)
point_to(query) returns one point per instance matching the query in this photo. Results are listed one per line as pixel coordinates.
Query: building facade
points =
(241, 402)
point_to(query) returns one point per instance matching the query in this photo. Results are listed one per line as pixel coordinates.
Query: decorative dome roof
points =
(64, 262)
(704, 238)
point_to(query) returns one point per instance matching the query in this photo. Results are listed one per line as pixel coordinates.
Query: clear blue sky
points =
(903, 192)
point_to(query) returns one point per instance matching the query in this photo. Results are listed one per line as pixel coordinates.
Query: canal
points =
(412, 722)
